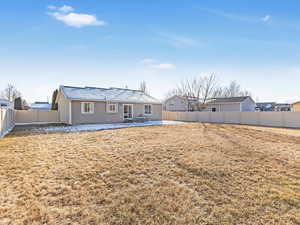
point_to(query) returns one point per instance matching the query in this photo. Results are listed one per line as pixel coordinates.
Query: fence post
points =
(283, 119)
(6, 120)
(37, 116)
(1, 123)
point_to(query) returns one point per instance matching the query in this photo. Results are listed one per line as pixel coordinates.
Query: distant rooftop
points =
(107, 94)
(4, 100)
(41, 105)
(41, 102)
(227, 100)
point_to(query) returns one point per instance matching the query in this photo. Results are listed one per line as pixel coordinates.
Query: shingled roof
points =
(227, 100)
(107, 94)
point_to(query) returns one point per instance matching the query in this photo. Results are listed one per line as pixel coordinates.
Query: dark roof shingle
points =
(227, 100)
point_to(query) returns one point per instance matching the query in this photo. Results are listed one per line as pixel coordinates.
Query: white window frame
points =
(92, 107)
(147, 114)
(108, 107)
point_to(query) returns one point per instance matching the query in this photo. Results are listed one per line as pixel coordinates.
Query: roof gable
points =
(107, 94)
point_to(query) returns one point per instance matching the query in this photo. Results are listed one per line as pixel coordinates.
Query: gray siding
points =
(176, 104)
(248, 105)
(101, 116)
(63, 109)
(232, 107)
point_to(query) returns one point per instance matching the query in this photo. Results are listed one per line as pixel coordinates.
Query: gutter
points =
(114, 101)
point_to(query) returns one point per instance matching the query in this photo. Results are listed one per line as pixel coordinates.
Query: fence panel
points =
(37, 116)
(271, 119)
(203, 117)
(232, 117)
(217, 117)
(7, 121)
(250, 118)
(274, 119)
(291, 119)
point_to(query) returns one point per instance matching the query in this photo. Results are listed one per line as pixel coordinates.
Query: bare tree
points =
(10, 93)
(210, 85)
(233, 90)
(143, 87)
(198, 90)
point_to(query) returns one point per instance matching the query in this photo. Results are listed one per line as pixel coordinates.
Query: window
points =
(111, 108)
(148, 109)
(87, 107)
(214, 110)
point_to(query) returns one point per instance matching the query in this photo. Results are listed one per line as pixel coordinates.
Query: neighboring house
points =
(41, 106)
(230, 104)
(180, 103)
(265, 106)
(6, 104)
(77, 105)
(296, 106)
(283, 107)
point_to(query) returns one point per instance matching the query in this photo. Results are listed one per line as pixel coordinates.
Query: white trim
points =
(240, 107)
(70, 112)
(108, 104)
(131, 111)
(92, 107)
(147, 114)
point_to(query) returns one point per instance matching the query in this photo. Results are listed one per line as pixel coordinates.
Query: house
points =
(272, 106)
(283, 107)
(41, 106)
(180, 103)
(265, 106)
(6, 104)
(230, 104)
(83, 105)
(296, 107)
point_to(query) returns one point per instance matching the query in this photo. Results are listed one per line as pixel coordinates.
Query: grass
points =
(179, 174)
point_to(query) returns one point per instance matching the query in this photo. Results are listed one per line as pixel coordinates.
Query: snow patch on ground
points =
(94, 127)
(6, 132)
(35, 123)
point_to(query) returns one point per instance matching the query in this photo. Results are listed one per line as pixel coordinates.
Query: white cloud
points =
(52, 7)
(266, 18)
(179, 41)
(238, 17)
(78, 20)
(149, 61)
(154, 63)
(66, 9)
(164, 66)
(231, 16)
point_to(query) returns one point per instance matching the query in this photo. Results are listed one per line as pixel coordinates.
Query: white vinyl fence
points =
(274, 119)
(37, 116)
(7, 121)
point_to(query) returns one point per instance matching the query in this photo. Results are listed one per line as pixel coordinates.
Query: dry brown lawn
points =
(177, 174)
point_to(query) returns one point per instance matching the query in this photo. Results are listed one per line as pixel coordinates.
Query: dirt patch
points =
(179, 174)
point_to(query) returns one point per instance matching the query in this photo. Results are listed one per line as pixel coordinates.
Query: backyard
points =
(189, 173)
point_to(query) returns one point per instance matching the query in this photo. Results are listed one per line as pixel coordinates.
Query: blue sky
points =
(44, 44)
